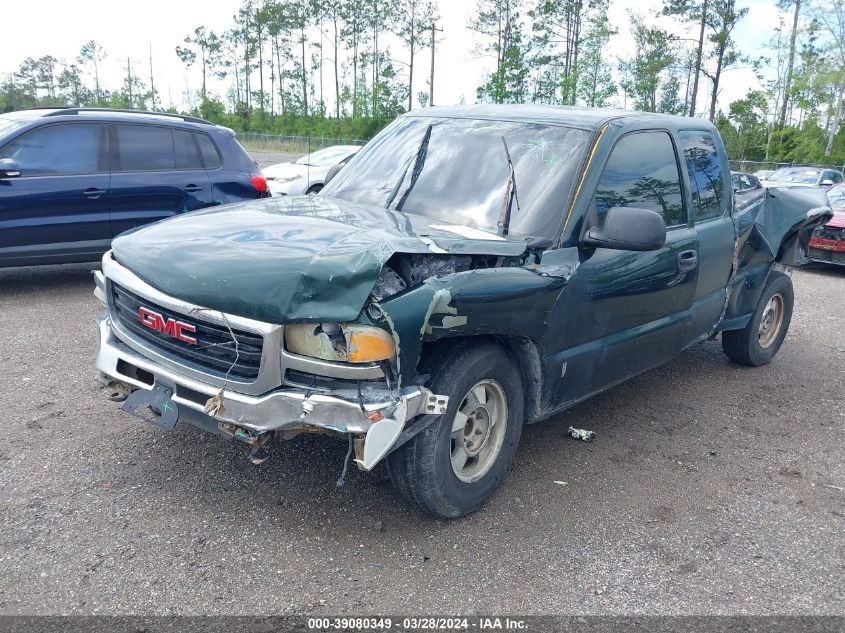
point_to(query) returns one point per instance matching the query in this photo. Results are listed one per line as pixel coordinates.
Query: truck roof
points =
(571, 116)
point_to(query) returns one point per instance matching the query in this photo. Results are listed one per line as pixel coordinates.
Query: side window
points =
(210, 155)
(837, 177)
(144, 148)
(705, 174)
(185, 151)
(72, 148)
(642, 171)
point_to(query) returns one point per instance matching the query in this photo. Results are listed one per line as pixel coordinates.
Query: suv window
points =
(72, 148)
(210, 155)
(642, 171)
(186, 155)
(705, 174)
(144, 148)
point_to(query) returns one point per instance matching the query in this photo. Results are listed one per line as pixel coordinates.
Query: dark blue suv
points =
(71, 179)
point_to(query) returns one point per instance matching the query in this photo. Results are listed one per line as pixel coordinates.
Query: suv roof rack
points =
(61, 111)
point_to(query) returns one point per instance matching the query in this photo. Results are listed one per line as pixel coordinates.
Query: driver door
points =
(624, 312)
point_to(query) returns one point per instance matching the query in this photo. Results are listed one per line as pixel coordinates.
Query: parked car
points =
(827, 244)
(762, 174)
(471, 270)
(307, 174)
(73, 178)
(746, 188)
(803, 177)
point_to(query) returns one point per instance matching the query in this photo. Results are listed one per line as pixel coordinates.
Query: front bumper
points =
(379, 420)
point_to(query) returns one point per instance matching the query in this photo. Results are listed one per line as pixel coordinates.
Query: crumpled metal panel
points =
(772, 230)
(282, 260)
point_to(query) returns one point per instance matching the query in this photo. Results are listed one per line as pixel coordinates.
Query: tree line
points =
(348, 67)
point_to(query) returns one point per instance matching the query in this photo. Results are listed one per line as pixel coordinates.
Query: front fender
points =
(507, 302)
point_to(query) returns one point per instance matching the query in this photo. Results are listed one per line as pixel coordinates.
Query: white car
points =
(307, 174)
(803, 177)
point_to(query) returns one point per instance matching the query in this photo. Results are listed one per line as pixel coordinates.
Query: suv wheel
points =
(456, 464)
(761, 339)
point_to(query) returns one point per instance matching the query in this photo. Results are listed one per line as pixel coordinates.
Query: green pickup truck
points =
(470, 271)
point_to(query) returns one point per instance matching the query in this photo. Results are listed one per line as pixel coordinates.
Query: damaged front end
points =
(320, 313)
(282, 380)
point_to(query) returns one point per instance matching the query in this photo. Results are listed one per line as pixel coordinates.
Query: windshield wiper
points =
(510, 195)
(419, 161)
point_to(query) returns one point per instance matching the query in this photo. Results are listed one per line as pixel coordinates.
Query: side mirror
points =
(827, 183)
(9, 169)
(332, 173)
(629, 229)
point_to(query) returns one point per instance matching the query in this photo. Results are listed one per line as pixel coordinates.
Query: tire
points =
(481, 382)
(761, 339)
(314, 190)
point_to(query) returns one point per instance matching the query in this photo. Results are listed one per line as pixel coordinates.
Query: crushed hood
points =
(305, 258)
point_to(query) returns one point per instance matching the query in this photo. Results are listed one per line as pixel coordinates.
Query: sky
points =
(136, 29)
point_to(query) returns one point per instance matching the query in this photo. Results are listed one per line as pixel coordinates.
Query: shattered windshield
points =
(462, 175)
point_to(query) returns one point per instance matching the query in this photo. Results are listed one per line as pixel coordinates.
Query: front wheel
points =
(761, 339)
(456, 464)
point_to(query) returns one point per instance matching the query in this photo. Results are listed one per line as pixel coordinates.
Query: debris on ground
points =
(581, 434)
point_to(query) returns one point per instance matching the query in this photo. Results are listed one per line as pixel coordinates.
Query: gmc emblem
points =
(171, 327)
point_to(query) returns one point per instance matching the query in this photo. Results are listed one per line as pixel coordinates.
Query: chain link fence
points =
(751, 166)
(291, 144)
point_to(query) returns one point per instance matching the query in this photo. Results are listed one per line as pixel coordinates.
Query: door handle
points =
(193, 188)
(93, 193)
(687, 260)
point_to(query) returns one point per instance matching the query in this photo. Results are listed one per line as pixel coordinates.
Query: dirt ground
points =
(712, 488)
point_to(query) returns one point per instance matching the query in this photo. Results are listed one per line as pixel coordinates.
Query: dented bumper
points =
(379, 421)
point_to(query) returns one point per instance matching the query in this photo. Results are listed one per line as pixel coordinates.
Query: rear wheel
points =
(314, 189)
(455, 465)
(761, 339)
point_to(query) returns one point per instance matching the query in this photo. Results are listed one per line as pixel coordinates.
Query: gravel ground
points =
(712, 488)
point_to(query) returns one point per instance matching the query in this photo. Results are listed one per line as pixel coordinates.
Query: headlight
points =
(345, 342)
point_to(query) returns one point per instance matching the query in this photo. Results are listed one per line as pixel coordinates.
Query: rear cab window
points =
(642, 172)
(707, 189)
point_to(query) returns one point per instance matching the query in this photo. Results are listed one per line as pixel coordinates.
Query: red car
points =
(828, 242)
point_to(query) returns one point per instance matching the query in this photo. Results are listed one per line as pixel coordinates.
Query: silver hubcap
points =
(478, 430)
(771, 322)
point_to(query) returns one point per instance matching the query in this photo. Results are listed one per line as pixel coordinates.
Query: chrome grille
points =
(214, 350)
